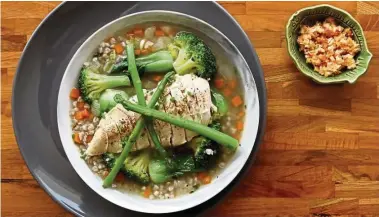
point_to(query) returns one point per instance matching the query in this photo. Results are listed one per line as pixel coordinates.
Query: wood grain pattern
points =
(320, 154)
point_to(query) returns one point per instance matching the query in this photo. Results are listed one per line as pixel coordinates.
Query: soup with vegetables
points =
(156, 111)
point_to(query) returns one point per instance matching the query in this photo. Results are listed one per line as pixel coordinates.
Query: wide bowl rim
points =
(141, 209)
(315, 78)
(14, 121)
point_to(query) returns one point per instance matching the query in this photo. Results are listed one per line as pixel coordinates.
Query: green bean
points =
(129, 142)
(217, 136)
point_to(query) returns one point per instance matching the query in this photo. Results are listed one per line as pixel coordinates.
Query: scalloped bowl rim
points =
(315, 78)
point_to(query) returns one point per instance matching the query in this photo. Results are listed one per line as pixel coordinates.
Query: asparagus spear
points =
(135, 133)
(141, 98)
(205, 131)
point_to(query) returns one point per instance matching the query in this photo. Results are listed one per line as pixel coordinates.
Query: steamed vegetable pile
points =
(187, 54)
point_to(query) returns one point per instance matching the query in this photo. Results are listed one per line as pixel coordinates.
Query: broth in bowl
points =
(203, 108)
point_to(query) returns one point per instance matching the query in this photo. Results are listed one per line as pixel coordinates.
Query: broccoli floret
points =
(173, 49)
(157, 62)
(205, 150)
(192, 56)
(183, 38)
(91, 84)
(136, 166)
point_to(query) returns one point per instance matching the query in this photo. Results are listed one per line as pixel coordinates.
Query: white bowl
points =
(224, 50)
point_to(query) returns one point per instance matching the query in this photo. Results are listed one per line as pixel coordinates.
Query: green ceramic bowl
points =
(309, 16)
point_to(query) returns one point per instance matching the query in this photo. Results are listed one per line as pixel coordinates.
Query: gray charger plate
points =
(37, 81)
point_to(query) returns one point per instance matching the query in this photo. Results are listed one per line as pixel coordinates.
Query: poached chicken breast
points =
(188, 96)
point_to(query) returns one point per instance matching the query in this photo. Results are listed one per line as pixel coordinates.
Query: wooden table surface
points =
(320, 155)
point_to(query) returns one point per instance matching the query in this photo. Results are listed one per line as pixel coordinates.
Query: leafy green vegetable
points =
(106, 99)
(220, 102)
(162, 169)
(157, 62)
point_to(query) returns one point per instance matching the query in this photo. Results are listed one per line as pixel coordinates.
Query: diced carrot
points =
(120, 177)
(207, 180)
(204, 177)
(232, 84)
(241, 114)
(159, 32)
(74, 94)
(201, 175)
(78, 115)
(137, 52)
(157, 78)
(76, 138)
(119, 48)
(219, 83)
(80, 105)
(86, 113)
(227, 92)
(89, 138)
(239, 125)
(237, 101)
(147, 192)
(144, 51)
(138, 32)
(91, 116)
